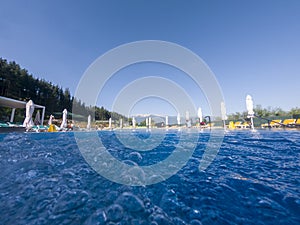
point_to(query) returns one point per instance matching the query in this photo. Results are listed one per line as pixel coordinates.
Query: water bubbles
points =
(70, 200)
(111, 196)
(135, 157)
(178, 221)
(114, 213)
(97, 218)
(134, 176)
(161, 219)
(169, 201)
(155, 179)
(131, 202)
(195, 222)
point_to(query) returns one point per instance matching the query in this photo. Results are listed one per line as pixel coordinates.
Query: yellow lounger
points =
(231, 125)
(238, 124)
(273, 123)
(297, 123)
(288, 122)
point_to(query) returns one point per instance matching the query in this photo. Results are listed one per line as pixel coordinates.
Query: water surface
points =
(253, 180)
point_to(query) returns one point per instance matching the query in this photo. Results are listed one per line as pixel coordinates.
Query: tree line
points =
(17, 83)
(268, 112)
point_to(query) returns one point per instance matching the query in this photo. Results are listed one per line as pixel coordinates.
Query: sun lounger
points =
(272, 124)
(231, 125)
(38, 128)
(297, 123)
(7, 127)
(3, 124)
(264, 125)
(238, 124)
(246, 125)
(289, 122)
(275, 123)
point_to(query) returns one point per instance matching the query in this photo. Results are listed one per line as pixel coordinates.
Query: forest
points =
(17, 83)
(269, 112)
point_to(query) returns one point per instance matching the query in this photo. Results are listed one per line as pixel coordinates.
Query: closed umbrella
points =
(178, 119)
(150, 122)
(88, 126)
(28, 123)
(249, 105)
(64, 119)
(223, 114)
(147, 122)
(223, 111)
(200, 114)
(109, 123)
(37, 120)
(121, 123)
(50, 120)
(187, 116)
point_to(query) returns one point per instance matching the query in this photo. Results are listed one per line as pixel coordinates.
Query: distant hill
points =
(172, 120)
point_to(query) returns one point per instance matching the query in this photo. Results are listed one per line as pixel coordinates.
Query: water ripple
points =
(254, 179)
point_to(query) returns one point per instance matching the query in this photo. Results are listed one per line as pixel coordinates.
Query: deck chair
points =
(238, 124)
(289, 122)
(231, 125)
(297, 123)
(275, 123)
(246, 125)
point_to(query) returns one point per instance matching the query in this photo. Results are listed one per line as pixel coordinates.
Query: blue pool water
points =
(254, 179)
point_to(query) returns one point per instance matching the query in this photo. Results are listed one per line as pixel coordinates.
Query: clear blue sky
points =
(253, 47)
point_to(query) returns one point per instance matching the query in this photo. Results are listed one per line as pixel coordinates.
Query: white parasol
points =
(88, 126)
(150, 122)
(187, 116)
(121, 123)
(50, 119)
(28, 123)
(147, 123)
(200, 114)
(64, 119)
(249, 105)
(109, 123)
(37, 119)
(223, 114)
(178, 119)
(133, 122)
(223, 111)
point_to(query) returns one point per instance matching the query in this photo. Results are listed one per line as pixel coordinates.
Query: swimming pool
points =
(254, 179)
